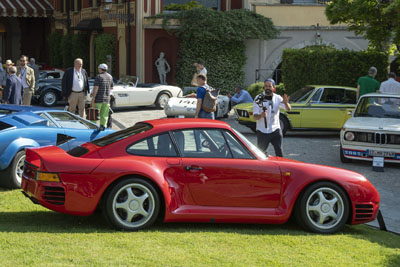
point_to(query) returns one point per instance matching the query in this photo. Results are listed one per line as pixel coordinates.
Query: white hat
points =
(103, 66)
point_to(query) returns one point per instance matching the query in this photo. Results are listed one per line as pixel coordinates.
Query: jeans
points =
(206, 115)
(263, 140)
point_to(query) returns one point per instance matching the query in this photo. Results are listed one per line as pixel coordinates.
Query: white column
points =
(139, 41)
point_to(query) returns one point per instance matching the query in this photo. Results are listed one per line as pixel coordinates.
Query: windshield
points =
(253, 148)
(128, 80)
(378, 107)
(301, 96)
(120, 135)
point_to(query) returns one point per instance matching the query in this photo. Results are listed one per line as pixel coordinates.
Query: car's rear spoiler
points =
(54, 159)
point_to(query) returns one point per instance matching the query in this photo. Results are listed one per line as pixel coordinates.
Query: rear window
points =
(78, 151)
(120, 135)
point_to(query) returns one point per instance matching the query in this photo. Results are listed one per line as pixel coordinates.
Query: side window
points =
(317, 96)
(333, 95)
(155, 146)
(350, 97)
(67, 120)
(237, 149)
(49, 122)
(202, 143)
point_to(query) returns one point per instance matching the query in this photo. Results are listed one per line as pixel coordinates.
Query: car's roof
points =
(179, 123)
(25, 108)
(335, 86)
(380, 95)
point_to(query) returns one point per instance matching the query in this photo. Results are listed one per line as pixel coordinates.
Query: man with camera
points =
(266, 113)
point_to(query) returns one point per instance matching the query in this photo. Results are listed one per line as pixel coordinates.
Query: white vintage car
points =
(186, 106)
(129, 93)
(373, 130)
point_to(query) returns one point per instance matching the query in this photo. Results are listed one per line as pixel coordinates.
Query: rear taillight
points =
(30, 170)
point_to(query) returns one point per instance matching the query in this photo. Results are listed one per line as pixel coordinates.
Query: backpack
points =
(209, 103)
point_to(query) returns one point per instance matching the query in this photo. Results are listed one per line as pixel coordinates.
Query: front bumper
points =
(367, 153)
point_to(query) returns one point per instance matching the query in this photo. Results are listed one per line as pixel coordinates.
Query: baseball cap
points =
(103, 66)
(270, 80)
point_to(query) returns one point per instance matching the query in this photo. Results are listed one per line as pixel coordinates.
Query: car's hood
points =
(375, 124)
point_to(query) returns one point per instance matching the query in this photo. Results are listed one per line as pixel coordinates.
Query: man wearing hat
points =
(368, 84)
(75, 87)
(266, 113)
(103, 84)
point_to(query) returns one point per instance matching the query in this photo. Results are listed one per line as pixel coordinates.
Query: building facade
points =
(138, 42)
(21, 22)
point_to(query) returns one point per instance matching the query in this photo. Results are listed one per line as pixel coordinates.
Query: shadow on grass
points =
(52, 222)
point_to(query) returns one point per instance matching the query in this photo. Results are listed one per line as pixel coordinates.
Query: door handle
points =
(197, 168)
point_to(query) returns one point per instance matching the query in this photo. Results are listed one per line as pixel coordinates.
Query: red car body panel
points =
(248, 191)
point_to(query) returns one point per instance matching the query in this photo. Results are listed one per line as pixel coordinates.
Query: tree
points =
(376, 20)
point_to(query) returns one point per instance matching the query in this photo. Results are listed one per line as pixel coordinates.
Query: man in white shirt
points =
(391, 86)
(266, 113)
(27, 76)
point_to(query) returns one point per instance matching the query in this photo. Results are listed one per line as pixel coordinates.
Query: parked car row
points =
(372, 130)
(128, 92)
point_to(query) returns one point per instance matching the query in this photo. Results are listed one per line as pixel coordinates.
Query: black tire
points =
(343, 159)
(144, 210)
(13, 173)
(162, 100)
(49, 98)
(322, 208)
(284, 124)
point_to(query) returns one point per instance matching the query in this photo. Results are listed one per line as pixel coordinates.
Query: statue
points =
(163, 68)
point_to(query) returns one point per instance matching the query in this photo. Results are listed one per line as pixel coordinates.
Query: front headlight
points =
(349, 136)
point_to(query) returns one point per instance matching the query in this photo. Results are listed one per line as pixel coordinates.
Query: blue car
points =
(28, 126)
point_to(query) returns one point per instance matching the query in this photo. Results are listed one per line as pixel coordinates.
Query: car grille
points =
(377, 138)
(364, 212)
(242, 113)
(54, 195)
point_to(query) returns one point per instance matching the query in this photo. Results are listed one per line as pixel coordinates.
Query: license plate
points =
(375, 153)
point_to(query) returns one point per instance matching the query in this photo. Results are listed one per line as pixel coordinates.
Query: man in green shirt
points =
(367, 84)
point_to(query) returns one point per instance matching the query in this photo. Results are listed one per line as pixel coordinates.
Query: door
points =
(221, 172)
(328, 111)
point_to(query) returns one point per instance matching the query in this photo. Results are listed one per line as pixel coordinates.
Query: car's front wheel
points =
(132, 204)
(49, 98)
(284, 124)
(322, 208)
(13, 173)
(162, 100)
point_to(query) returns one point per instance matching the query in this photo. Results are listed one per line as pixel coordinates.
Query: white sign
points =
(377, 163)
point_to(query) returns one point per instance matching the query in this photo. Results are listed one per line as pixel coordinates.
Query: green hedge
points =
(66, 51)
(105, 45)
(54, 41)
(328, 66)
(80, 48)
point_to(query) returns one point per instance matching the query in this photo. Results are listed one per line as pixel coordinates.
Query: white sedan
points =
(373, 131)
(186, 106)
(128, 92)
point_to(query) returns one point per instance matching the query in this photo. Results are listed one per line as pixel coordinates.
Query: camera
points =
(262, 99)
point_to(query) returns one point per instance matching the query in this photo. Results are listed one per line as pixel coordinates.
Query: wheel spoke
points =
(321, 197)
(122, 205)
(322, 218)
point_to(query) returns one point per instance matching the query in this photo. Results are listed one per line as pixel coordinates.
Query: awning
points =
(25, 8)
(89, 25)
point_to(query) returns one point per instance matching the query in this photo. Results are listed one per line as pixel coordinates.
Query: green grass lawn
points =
(33, 236)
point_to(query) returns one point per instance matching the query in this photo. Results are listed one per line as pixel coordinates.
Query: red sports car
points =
(193, 170)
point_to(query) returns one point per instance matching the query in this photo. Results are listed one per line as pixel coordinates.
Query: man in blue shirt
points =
(201, 92)
(240, 96)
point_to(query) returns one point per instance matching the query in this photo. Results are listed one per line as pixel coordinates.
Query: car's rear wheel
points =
(162, 100)
(343, 159)
(49, 98)
(322, 208)
(132, 204)
(13, 173)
